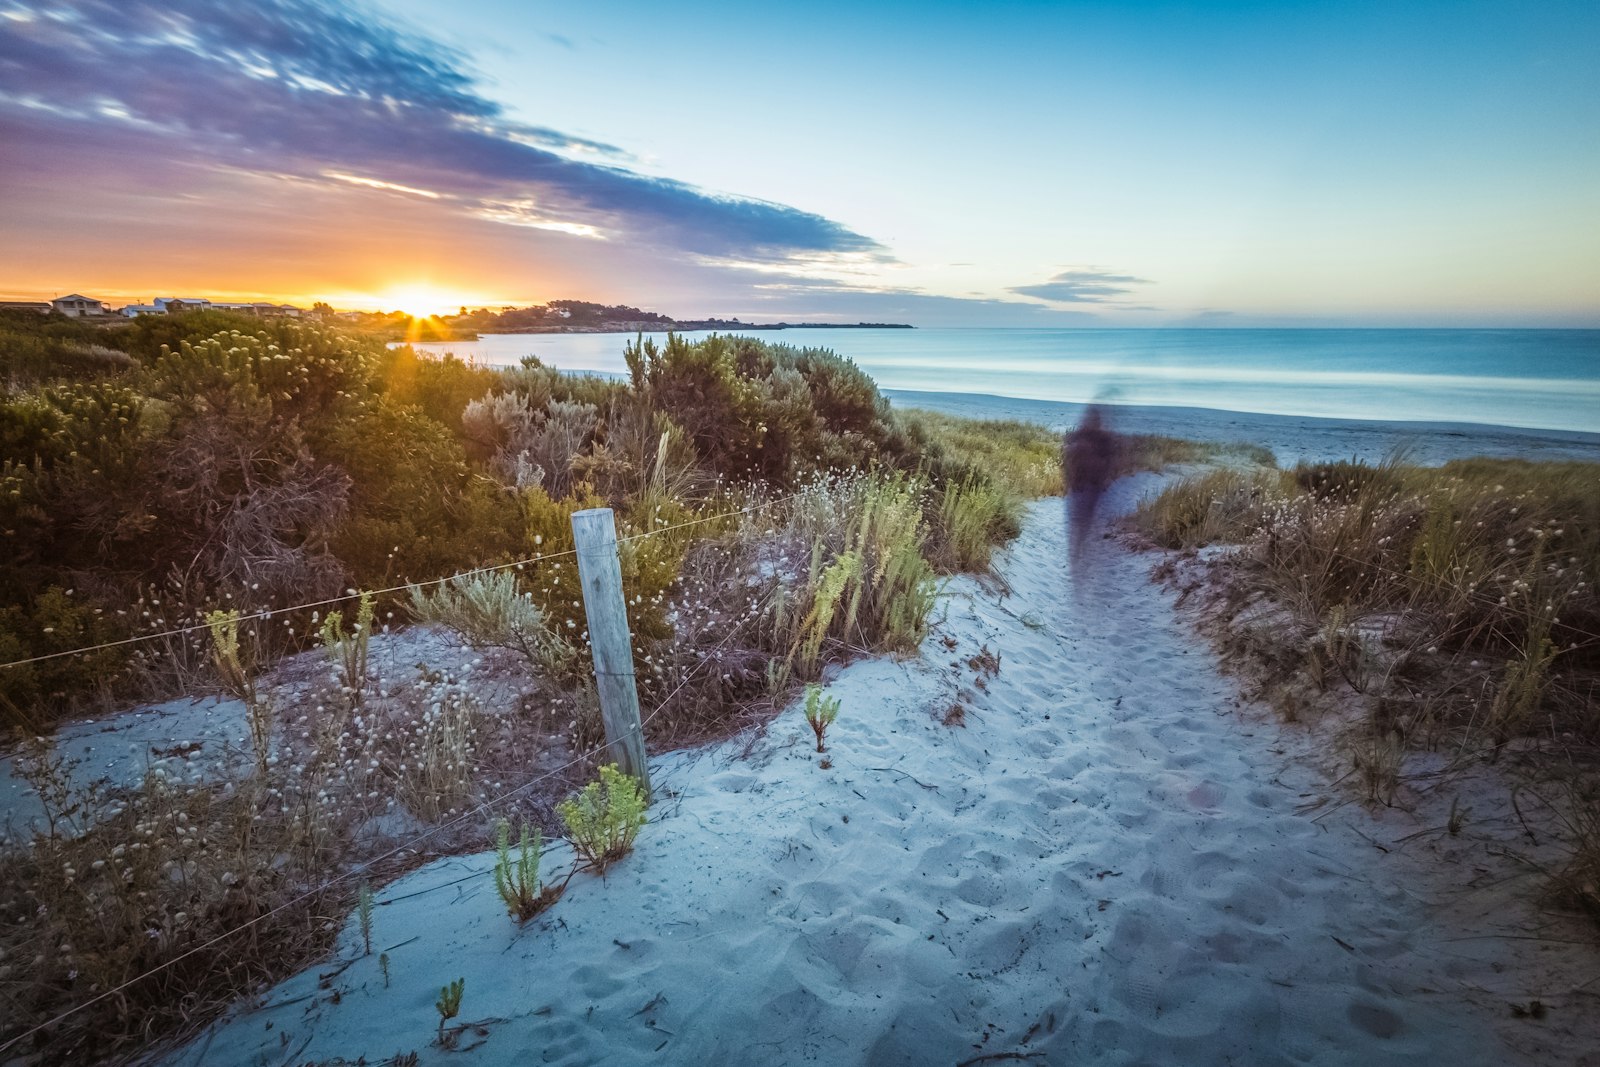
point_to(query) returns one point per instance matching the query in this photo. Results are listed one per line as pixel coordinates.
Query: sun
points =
(421, 300)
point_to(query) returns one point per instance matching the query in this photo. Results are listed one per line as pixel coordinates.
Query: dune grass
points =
(1455, 600)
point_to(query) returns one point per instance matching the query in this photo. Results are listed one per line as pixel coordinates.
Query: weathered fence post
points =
(594, 532)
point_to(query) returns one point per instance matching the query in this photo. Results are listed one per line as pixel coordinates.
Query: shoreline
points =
(1292, 438)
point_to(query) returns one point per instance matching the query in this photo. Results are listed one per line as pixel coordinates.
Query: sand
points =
(1107, 863)
(1292, 438)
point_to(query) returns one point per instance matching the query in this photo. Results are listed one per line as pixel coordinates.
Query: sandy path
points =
(1104, 866)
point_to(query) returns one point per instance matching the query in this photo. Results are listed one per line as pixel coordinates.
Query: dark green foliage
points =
(417, 508)
(440, 387)
(766, 411)
(237, 463)
(38, 348)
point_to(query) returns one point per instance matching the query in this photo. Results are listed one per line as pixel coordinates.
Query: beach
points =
(1105, 857)
(1292, 438)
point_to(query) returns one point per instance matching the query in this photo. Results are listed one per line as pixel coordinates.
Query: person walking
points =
(1089, 461)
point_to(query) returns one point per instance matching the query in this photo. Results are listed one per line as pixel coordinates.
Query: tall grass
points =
(1484, 561)
(1022, 456)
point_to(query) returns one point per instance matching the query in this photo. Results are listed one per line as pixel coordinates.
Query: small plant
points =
(364, 913)
(238, 678)
(383, 965)
(449, 1003)
(349, 651)
(603, 820)
(517, 880)
(820, 712)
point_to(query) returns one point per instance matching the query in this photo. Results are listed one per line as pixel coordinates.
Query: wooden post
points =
(594, 532)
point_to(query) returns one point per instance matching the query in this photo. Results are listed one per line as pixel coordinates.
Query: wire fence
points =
(346, 597)
(412, 843)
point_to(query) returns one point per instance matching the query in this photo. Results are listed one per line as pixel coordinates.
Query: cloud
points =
(319, 90)
(1081, 287)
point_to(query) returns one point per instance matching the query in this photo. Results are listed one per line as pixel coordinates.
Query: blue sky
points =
(1022, 164)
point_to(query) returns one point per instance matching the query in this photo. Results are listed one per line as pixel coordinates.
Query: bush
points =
(604, 819)
(767, 412)
(489, 611)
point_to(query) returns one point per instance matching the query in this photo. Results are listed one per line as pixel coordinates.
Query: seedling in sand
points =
(603, 820)
(383, 965)
(364, 913)
(820, 712)
(449, 1003)
(517, 880)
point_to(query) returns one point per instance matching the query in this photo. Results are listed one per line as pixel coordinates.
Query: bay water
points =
(1539, 379)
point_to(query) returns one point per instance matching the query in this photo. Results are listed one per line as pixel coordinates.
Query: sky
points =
(944, 164)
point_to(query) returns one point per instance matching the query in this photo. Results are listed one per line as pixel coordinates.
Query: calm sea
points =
(1547, 379)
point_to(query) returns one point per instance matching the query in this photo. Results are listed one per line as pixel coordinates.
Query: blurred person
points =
(1089, 462)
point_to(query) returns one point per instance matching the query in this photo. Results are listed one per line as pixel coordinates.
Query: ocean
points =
(1537, 379)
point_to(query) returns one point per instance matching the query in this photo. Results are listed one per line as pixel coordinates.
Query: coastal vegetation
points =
(251, 510)
(1454, 607)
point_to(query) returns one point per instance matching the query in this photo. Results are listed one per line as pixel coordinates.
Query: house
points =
(173, 305)
(39, 306)
(77, 306)
(133, 311)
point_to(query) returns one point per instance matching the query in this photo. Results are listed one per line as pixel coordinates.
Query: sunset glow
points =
(418, 300)
(1086, 165)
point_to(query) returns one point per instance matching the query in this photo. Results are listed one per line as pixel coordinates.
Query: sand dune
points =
(1104, 865)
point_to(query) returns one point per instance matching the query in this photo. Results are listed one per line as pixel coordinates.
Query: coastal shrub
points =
(1480, 559)
(603, 820)
(416, 507)
(38, 349)
(440, 387)
(754, 410)
(489, 611)
(57, 620)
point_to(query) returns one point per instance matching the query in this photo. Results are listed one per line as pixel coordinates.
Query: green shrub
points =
(489, 611)
(604, 819)
(1022, 457)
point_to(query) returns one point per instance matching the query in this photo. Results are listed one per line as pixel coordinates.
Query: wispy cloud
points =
(374, 183)
(1086, 286)
(326, 90)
